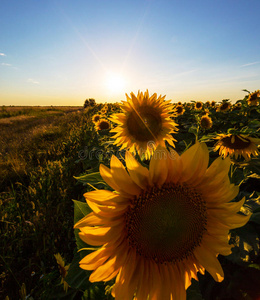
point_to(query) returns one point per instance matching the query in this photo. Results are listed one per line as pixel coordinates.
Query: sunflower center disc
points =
(238, 143)
(165, 224)
(104, 125)
(144, 124)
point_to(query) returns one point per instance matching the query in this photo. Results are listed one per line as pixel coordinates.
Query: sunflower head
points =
(144, 123)
(102, 124)
(207, 103)
(213, 104)
(179, 103)
(237, 106)
(225, 106)
(179, 110)
(198, 105)
(253, 98)
(206, 122)
(162, 225)
(96, 118)
(63, 270)
(237, 145)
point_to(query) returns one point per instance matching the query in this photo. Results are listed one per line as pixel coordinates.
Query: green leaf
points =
(81, 209)
(77, 278)
(93, 178)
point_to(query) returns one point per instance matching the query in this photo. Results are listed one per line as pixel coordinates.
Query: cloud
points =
(2, 54)
(5, 64)
(31, 80)
(250, 64)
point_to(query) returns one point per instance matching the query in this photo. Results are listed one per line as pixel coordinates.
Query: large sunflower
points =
(160, 226)
(144, 123)
(237, 145)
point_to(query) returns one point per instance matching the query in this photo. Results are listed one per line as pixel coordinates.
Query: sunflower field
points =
(143, 199)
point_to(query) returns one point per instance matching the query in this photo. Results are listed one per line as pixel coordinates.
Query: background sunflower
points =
(237, 145)
(144, 123)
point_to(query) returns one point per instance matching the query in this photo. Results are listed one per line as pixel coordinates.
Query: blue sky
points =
(61, 52)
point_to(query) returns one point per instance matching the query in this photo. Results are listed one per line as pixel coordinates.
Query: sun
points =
(115, 82)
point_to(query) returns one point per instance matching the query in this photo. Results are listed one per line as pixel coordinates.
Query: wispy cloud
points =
(5, 64)
(31, 80)
(2, 54)
(250, 64)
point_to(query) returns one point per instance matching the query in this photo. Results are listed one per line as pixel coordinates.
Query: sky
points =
(61, 52)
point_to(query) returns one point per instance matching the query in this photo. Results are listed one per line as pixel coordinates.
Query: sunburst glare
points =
(115, 82)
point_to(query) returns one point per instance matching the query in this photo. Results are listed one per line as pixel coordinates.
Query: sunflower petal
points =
(174, 166)
(158, 169)
(98, 236)
(127, 280)
(106, 174)
(104, 197)
(121, 177)
(138, 173)
(208, 260)
(104, 271)
(195, 162)
(95, 259)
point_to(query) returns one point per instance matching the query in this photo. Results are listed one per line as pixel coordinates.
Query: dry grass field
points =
(27, 133)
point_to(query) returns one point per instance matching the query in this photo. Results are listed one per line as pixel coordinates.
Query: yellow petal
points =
(94, 220)
(217, 166)
(104, 197)
(106, 174)
(154, 293)
(95, 259)
(227, 208)
(122, 178)
(111, 268)
(158, 168)
(208, 260)
(138, 173)
(110, 211)
(88, 220)
(178, 283)
(104, 271)
(98, 236)
(236, 220)
(128, 278)
(195, 162)
(224, 194)
(144, 283)
(200, 167)
(217, 245)
(174, 166)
